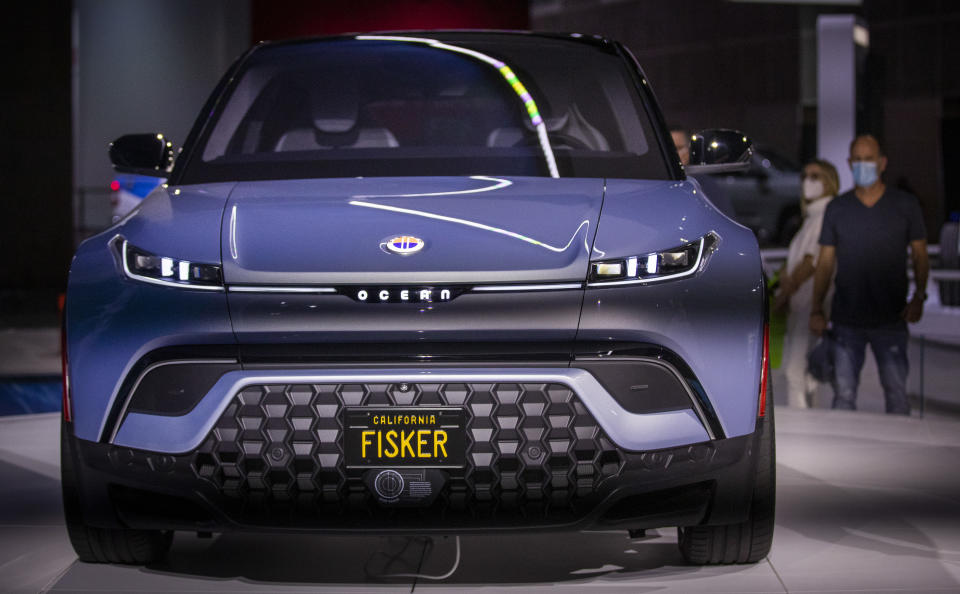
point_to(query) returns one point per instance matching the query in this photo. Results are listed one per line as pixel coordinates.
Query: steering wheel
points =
(557, 140)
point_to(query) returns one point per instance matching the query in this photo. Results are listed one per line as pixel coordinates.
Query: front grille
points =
(533, 450)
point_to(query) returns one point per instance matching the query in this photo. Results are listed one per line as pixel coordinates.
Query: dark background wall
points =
(143, 66)
(272, 19)
(35, 157)
(748, 66)
(916, 58)
(709, 61)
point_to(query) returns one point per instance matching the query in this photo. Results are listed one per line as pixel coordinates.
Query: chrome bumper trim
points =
(634, 432)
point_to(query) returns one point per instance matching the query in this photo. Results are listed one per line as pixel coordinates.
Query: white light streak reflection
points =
(233, 233)
(475, 225)
(530, 105)
(499, 183)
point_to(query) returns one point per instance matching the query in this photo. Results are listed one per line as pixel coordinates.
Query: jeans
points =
(889, 346)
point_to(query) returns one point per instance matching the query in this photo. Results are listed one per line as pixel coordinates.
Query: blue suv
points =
(428, 282)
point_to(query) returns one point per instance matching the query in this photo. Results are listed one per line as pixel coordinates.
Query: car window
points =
(406, 105)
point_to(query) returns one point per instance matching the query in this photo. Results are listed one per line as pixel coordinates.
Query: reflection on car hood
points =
(475, 229)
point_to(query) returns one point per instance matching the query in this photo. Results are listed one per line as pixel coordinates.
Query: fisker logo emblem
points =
(403, 245)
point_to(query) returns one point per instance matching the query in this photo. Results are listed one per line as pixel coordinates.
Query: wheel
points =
(104, 545)
(749, 541)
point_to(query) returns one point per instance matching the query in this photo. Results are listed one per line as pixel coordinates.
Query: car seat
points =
(571, 123)
(335, 124)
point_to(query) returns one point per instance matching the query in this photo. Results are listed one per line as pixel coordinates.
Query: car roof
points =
(456, 34)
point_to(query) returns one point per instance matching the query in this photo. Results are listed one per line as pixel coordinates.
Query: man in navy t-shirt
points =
(865, 236)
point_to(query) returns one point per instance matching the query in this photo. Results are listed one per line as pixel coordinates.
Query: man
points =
(711, 189)
(865, 235)
(681, 140)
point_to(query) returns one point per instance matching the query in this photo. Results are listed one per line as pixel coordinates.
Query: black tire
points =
(746, 542)
(104, 545)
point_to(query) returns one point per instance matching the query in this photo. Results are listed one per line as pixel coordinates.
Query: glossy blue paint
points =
(476, 229)
(641, 217)
(183, 223)
(713, 319)
(112, 321)
(471, 317)
(306, 232)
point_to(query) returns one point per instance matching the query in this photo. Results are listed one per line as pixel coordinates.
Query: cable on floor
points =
(422, 576)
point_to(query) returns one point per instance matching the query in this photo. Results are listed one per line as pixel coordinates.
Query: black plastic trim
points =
(405, 353)
(173, 388)
(226, 351)
(640, 386)
(613, 350)
(712, 482)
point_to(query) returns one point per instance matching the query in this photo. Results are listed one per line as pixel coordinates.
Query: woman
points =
(820, 185)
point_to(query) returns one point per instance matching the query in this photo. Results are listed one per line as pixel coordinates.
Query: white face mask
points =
(812, 189)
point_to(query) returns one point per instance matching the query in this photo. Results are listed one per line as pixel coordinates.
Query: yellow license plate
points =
(426, 437)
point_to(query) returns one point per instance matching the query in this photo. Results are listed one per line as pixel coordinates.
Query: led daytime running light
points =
(668, 264)
(169, 272)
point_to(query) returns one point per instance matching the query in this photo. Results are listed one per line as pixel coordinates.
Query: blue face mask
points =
(864, 173)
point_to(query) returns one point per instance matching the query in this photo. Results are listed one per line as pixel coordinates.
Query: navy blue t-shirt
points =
(871, 247)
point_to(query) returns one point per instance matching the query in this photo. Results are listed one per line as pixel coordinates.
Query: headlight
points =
(658, 266)
(160, 270)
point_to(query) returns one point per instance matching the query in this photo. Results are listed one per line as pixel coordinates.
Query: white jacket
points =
(807, 242)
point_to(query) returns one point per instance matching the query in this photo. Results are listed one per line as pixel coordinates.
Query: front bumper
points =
(631, 431)
(545, 449)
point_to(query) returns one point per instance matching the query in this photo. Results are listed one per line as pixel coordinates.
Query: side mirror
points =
(142, 154)
(719, 151)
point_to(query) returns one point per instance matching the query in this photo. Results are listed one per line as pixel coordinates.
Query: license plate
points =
(423, 437)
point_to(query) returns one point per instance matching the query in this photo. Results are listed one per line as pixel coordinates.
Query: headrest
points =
(334, 108)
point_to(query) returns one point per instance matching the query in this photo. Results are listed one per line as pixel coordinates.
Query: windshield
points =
(382, 105)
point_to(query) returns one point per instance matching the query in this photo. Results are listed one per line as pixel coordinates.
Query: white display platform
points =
(866, 502)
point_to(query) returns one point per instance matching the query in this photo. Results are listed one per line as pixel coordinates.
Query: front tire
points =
(104, 545)
(749, 541)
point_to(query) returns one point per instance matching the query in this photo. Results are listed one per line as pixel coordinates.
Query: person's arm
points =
(821, 282)
(921, 270)
(790, 283)
(801, 273)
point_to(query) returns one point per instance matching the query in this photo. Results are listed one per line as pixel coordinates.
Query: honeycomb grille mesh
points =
(531, 448)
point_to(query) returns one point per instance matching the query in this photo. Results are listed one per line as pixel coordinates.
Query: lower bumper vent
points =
(533, 450)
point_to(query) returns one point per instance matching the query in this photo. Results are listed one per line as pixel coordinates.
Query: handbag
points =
(820, 359)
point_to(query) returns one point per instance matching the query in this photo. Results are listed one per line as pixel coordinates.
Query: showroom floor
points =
(867, 503)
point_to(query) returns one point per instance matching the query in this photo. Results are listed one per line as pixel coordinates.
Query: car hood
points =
(475, 229)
